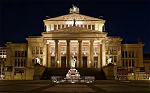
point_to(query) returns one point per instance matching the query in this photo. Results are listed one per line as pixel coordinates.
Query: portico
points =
(87, 52)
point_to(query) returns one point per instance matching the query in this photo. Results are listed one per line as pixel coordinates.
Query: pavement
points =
(46, 86)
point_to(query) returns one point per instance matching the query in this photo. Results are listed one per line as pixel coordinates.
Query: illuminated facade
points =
(77, 35)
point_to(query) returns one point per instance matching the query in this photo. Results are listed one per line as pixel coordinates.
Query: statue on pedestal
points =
(73, 62)
(109, 60)
(38, 61)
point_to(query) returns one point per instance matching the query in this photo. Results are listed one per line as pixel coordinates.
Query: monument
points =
(73, 73)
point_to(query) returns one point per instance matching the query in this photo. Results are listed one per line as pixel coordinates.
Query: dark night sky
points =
(129, 19)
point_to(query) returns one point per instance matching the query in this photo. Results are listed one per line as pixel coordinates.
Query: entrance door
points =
(85, 62)
(52, 61)
(63, 61)
(95, 62)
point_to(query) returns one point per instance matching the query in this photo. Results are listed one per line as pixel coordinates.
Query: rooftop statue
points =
(74, 9)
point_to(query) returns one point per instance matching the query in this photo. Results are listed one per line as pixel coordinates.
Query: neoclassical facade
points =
(74, 35)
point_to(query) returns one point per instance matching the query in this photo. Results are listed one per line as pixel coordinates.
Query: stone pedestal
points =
(109, 71)
(38, 71)
(73, 74)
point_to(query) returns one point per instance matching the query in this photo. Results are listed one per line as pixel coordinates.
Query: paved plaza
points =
(46, 86)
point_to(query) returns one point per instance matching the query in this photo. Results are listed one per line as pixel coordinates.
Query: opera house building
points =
(71, 35)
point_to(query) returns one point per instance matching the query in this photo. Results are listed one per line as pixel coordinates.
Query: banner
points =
(19, 70)
(140, 69)
(130, 70)
(122, 71)
(8, 68)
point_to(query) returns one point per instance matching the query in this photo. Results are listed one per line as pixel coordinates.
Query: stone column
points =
(49, 55)
(80, 53)
(91, 53)
(56, 52)
(46, 56)
(45, 47)
(103, 54)
(68, 53)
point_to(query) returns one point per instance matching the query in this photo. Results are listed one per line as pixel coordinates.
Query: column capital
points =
(67, 41)
(56, 40)
(79, 40)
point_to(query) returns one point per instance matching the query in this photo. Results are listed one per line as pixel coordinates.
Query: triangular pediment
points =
(75, 16)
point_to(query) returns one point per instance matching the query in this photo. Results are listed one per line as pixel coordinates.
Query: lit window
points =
(52, 49)
(84, 49)
(74, 49)
(63, 49)
(95, 49)
(33, 50)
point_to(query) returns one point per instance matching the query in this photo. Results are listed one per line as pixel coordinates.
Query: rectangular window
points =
(93, 27)
(122, 54)
(18, 62)
(33, 50)
(129, 54)
(25, 53)
(25, 61)
(41, 50)
(89, 26)
(129, 62)
(63, 49)
(15, 62)
(84, 49)
(123, 62)
(22, 53)
(85, 26)
(1, 52)
(52, 49)
(133, 62)
(66, 26)
(37, 50)
(81, 25)
(15, 53)
(63, 26)
(126, 55)
(126, 63)
(74, 49)
(58, 26)
(21, 62)
(19, 53)
(132, 54)
(55, 27)
(95, 49)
